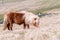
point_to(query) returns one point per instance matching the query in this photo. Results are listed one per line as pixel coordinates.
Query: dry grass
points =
(49, 30)
(41, 5)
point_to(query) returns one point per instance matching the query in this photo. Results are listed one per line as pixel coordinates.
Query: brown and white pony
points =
(23, 17)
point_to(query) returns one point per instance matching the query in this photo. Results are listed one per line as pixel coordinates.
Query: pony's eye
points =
(35, 18)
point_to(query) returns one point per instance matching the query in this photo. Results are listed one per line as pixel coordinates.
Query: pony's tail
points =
(5, 23)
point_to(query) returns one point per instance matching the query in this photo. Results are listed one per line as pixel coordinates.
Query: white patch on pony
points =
(29, 18)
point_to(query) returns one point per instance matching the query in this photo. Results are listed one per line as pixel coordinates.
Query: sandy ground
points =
(49, 29)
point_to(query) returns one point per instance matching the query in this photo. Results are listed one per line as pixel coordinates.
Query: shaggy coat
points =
(23, 17)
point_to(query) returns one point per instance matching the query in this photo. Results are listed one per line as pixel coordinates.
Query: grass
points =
(1, 17)
(44, 9)
(7, 1)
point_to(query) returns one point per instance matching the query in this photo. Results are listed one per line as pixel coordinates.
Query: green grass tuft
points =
(1, 17)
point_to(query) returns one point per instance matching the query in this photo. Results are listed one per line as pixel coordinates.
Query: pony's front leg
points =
(24, 25)
(27, 26)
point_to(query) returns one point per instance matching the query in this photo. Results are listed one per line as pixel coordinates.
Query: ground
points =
(49, 29)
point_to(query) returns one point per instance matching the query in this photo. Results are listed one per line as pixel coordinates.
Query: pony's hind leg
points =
(5, 26)
(8, 26)
(24, 25)
(5, 22)
(28, 26)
